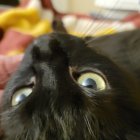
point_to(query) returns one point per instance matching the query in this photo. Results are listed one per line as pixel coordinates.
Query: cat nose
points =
(50, 59)
(49, 49)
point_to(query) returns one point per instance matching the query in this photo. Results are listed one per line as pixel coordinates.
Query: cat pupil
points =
(20, 95)
(90, 83)
(20, 98)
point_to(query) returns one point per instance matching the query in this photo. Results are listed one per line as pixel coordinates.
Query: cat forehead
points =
(72, 46)
(75, 48)
(63, 39)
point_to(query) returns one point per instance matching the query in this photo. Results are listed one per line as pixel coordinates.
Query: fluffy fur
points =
(59, 108)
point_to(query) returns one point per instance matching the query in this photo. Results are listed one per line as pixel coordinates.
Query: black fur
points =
(59, 108)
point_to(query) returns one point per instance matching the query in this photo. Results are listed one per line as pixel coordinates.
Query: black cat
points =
(70, 88)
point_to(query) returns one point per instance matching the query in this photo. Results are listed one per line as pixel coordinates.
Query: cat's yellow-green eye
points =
(20, 95)
(92, 80)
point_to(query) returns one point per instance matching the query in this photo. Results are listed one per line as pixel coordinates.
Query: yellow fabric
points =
(105, 31)
(15, 52)
(101, 32)
(25, 20)
(28, 21)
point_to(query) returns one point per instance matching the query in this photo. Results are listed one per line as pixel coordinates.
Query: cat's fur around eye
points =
(58, 107)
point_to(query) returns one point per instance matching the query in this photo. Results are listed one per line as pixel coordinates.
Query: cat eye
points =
(92, 80)
(20, 95)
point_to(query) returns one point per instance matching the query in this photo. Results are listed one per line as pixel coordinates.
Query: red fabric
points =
(134, 18)
(23, 3)
(7, 66)
(14, 41)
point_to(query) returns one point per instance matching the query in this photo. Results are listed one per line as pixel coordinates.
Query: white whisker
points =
(98, 24)
(89, 127)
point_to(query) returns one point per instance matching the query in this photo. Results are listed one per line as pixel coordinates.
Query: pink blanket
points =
(7, 66)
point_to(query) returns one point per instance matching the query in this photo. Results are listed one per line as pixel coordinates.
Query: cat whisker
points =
(89, 126)
(87, 27)
(108, 15)
(27, 135)
(92, 26)
(95, 26)
(90, 129)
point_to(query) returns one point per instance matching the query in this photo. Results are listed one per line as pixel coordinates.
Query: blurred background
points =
(119, 8)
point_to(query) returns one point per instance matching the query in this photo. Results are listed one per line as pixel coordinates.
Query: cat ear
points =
(58, 25)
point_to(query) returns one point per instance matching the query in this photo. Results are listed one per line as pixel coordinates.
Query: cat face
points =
(65, 90)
